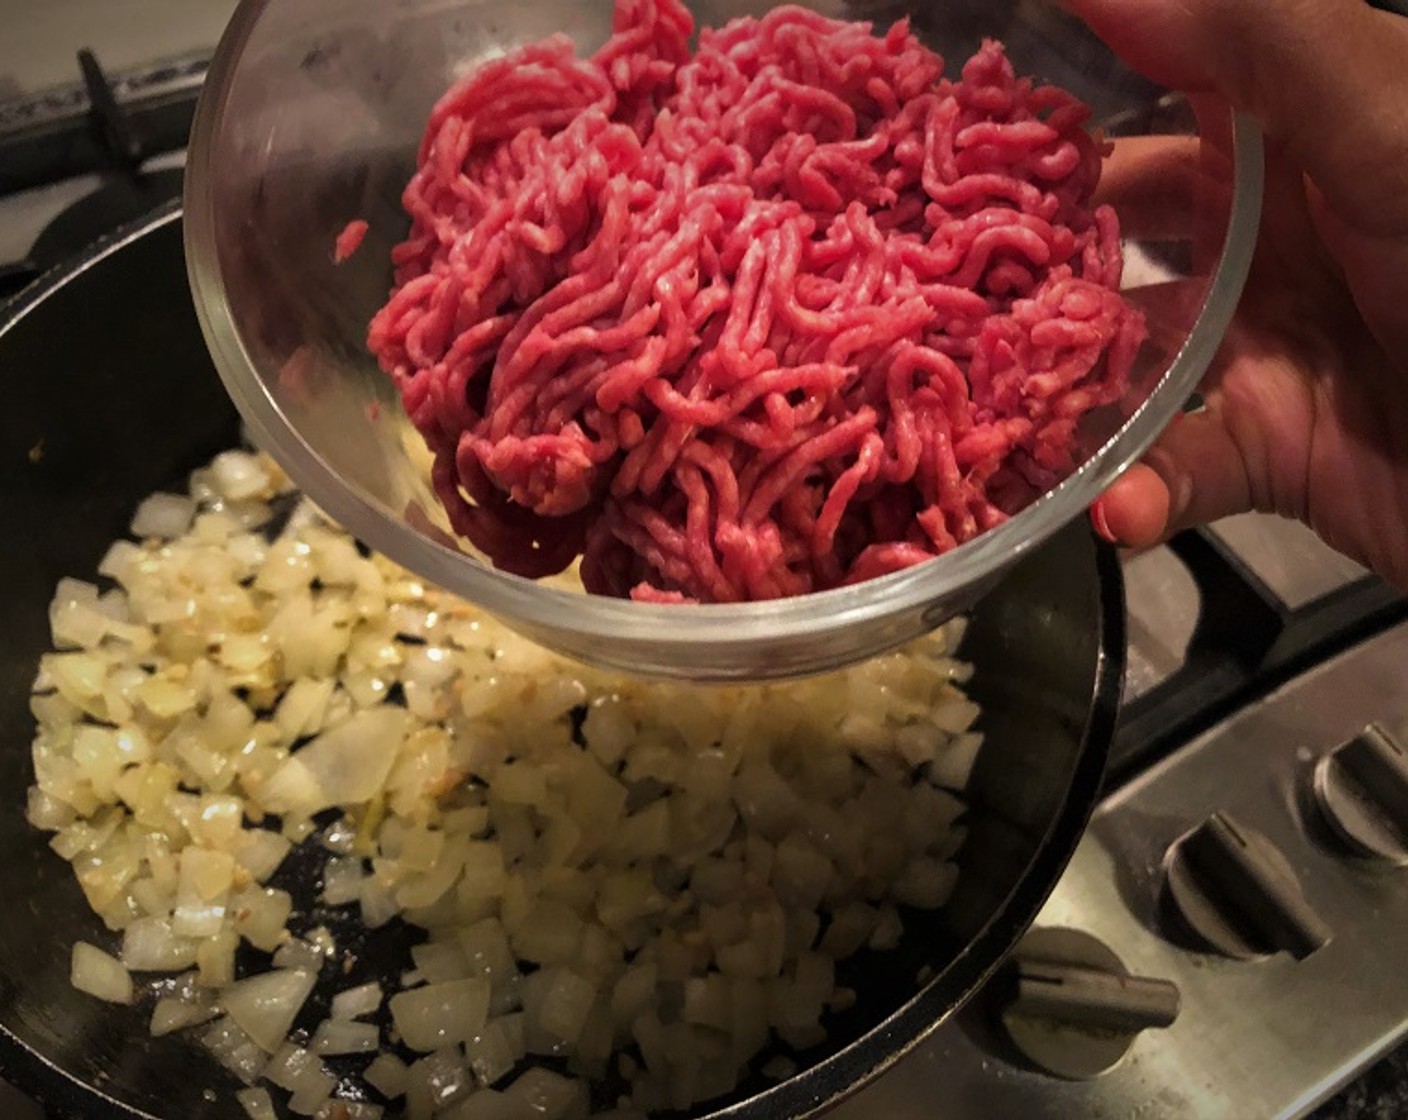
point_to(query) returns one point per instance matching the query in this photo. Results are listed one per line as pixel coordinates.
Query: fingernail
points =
(1099, 523)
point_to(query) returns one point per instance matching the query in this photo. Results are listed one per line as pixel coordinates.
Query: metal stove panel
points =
(1296, 565)
(1268, 1038)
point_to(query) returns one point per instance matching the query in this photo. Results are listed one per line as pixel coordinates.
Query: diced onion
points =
(343, 766)
(261, 852)
(173, 1015)
(257, 1104)
(551, 1096)
(100, 974)
(440, 961)
(238, 475)
(150, 945)
(299, 956)
(438, 1015)
(342, 880)
(437, 1081)
(264, 1006)
(343, 1036)
(356, 1002)
(620, 876)
(564, 1002)
(235, 1050)
(387, 1075)
(493, 1052)
(163, 515)
(311, 1091)
(288, 1065)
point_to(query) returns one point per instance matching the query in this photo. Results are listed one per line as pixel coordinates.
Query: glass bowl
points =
(311, 116)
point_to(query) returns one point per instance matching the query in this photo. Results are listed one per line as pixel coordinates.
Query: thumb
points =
(1194, 474)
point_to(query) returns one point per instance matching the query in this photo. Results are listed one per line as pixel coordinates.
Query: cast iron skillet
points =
(109, 395)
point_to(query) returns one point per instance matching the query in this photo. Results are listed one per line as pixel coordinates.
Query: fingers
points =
(1194, 474)
(1326, 78)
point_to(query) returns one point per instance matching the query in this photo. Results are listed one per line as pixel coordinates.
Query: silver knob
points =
(1074, 1009)
(1238, 893)
(1362, 789)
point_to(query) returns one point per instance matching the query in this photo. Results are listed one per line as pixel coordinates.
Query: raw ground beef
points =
(792, 311)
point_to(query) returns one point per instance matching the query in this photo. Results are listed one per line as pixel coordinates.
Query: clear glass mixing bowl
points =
(310, 117)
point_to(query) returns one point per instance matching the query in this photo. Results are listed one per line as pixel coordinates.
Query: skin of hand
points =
(1306, 409)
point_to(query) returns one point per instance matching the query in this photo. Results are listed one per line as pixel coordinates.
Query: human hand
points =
(1306, 409)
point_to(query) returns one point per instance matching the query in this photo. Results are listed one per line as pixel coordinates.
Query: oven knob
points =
(1238, 893)
(1071, 1006)
(1362, 789)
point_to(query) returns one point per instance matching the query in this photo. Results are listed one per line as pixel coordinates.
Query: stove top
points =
(1225, 942)
(1225, 891)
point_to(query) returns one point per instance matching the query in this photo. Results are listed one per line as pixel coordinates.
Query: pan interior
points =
(111, 395)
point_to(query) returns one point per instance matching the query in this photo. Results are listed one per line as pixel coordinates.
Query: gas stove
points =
(1226, 940)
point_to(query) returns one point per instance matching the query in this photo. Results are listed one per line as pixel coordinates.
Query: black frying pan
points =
(109, 395)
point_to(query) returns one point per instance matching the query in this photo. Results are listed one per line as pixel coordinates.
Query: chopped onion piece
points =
(264, 1006)
(288, 1065)
(299, 956)
(437, 1081)
(311, 1091)
(302, 709)
(150, 945)
(235, 1050)
(215, 958)
(440, 961)
(260, 915)
(926, 883)
(552, 1096)
(353, 1003)
(204, 887)
(377, 903)
(387, 1075)
(565, 1002)
(257, 1104)
(440, 1015)
(163, 515)
(492, 1053)
(344, 766)
(342, 880)
(173, 1015)
(100, 974)
(343, 1036)
(238, 475)
(261, 853)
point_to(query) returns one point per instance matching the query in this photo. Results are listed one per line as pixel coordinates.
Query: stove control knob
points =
(1238, 893)
(1362, 789)
(1072, 1008)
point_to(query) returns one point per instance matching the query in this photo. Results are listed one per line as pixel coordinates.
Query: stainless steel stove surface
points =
(1281, 926)
(1221, 945)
